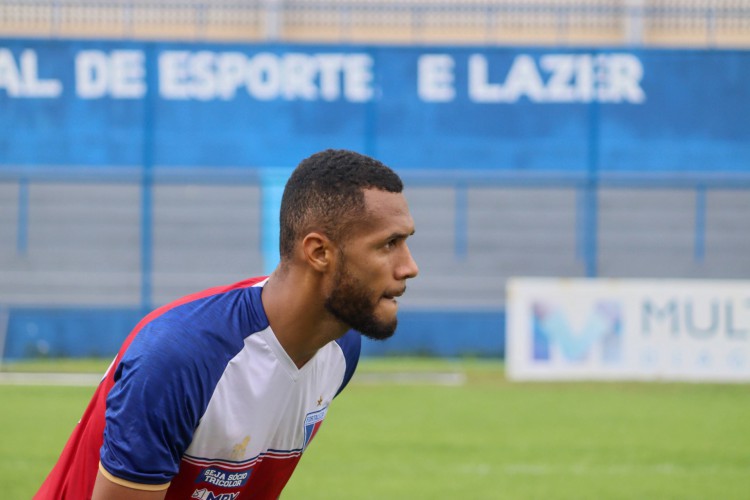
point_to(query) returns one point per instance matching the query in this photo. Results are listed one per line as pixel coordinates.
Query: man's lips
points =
(394, 295)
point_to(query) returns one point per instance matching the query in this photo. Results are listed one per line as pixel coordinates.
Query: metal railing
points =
(114, 255)
(136, 200)
(695, 23)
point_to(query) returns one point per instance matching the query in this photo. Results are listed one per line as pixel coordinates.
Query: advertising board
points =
(602, 329)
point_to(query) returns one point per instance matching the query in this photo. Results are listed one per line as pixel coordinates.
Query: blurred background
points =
(145, 144)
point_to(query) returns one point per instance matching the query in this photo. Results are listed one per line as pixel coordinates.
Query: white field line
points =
(450, 379)
(69, 379)
(666, 469)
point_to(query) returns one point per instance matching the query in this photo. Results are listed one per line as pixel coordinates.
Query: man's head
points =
(345, 216)
(326, 193)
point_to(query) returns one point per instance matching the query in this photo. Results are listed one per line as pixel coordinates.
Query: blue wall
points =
(182, 104)
(74, 332)
(86, 332)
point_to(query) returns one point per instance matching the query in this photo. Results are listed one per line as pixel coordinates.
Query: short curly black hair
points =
(326, 193)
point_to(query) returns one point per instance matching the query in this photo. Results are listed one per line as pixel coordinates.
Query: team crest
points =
(312, 424)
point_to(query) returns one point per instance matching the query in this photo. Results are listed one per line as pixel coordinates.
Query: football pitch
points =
(437, 429)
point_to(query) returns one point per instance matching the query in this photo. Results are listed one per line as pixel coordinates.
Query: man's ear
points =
(318, 250)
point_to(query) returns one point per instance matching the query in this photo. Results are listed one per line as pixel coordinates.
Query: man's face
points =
(373, 267)
(351, 302)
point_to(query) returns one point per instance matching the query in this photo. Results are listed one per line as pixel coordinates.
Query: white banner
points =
(610, 329)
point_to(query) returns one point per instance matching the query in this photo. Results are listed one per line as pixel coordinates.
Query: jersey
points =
(203, 401)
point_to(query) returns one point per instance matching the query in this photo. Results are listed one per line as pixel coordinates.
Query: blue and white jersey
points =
(203, 401)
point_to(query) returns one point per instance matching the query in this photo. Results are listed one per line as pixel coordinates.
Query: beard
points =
(350, 302)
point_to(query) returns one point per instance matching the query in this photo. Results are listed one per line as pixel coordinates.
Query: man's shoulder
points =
(351, 346)
(222, 315)
(350, 342)
(218, 291)
(208, 304)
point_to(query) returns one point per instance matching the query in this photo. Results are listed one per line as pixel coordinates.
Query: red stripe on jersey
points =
(267, 478)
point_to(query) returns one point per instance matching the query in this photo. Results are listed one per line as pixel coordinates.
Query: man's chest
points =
(262, 402)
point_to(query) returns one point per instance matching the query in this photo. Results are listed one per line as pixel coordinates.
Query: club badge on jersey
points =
(312, 424)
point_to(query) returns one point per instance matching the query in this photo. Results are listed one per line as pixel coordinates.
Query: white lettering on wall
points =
(435, 78)
(550, 78)
(21, 78)
(205, 75)
(265, 76)
(118, 74)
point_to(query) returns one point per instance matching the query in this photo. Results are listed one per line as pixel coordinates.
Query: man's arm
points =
(106, 489)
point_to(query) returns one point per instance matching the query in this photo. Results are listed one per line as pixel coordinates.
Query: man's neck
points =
(295, 309)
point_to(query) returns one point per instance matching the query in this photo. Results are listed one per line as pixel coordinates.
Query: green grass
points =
(487, 439)
(85, 365)
(35, 423)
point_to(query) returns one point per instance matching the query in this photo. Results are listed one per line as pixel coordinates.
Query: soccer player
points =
(217, 395)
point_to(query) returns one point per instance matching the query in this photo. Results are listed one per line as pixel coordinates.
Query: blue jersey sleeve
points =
(152, 410)
(351, 345)
(164, 383)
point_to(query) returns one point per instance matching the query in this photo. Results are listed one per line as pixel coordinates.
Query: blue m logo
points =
(601, 333)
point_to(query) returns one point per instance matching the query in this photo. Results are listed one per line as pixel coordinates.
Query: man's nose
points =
(409, 268)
